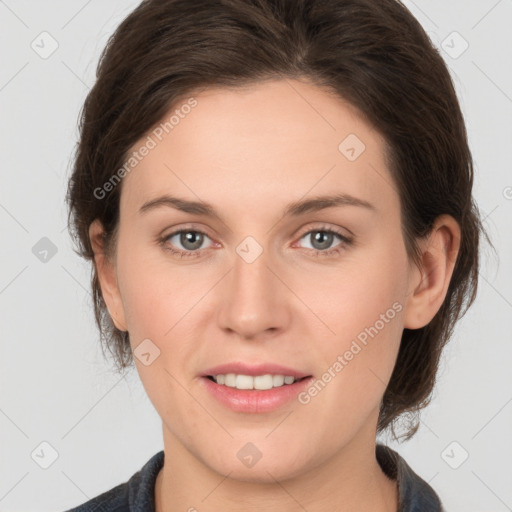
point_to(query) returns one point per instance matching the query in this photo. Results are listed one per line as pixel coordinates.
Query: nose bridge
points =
(253, 299)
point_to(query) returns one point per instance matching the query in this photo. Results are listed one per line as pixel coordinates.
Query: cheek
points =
(156, 293)
(363, 308)
(367, 290)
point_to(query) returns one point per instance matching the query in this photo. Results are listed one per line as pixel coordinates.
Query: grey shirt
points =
(137, 494)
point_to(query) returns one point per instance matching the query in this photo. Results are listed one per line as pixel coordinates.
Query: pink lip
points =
(253, 370)
(255, 400)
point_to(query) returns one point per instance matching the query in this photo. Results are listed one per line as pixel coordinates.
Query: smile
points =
(259, 382)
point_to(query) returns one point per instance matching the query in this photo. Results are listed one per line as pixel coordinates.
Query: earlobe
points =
(429, 284)
(105, 269)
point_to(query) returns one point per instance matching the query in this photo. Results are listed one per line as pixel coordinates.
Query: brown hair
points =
(374, 54)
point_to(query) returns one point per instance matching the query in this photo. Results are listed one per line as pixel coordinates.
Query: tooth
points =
(260, 382)
(277, 380)
(244, 382)
(230, 380)
(263, 382)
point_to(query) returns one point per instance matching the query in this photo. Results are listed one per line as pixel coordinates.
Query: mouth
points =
(254, 389)
(256, 382)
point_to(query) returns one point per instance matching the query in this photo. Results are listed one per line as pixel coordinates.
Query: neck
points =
(351, 480)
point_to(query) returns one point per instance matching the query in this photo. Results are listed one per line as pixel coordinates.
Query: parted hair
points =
(373, 54)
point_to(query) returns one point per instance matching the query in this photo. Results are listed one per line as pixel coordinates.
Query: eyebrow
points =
(293, 209)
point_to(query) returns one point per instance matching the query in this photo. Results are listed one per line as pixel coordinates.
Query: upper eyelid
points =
(306, 230)
(336, 231)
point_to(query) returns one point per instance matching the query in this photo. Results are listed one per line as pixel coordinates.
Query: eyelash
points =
(345, 242)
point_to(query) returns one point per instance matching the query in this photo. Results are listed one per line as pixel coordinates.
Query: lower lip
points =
(255, 400)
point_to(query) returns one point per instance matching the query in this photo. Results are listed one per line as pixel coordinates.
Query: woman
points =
(277, 200)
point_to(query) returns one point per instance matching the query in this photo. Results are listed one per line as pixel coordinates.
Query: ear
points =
(107, 276)
(429, 283)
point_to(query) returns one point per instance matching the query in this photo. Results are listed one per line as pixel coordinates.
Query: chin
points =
(265, 470)
(261, 474)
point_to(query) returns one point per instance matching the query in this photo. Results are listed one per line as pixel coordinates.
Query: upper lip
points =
(240, 368)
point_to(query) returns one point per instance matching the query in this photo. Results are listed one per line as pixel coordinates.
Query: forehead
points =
(268, 143)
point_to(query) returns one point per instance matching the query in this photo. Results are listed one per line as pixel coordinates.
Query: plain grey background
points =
(70, 427)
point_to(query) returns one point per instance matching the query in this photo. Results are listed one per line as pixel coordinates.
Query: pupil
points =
(188, 238)
(323, 238)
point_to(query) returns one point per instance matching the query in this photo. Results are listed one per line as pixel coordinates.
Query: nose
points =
(254, 301)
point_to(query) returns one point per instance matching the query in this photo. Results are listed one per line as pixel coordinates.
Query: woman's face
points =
(260, 283)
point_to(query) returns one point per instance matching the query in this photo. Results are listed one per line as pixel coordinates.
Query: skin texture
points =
(249, 153)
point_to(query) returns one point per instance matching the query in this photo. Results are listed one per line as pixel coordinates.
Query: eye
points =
(190, 239)
(192, 242)
(321, 240)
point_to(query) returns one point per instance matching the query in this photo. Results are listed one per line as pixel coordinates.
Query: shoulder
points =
(136, 494)
(414, 494)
